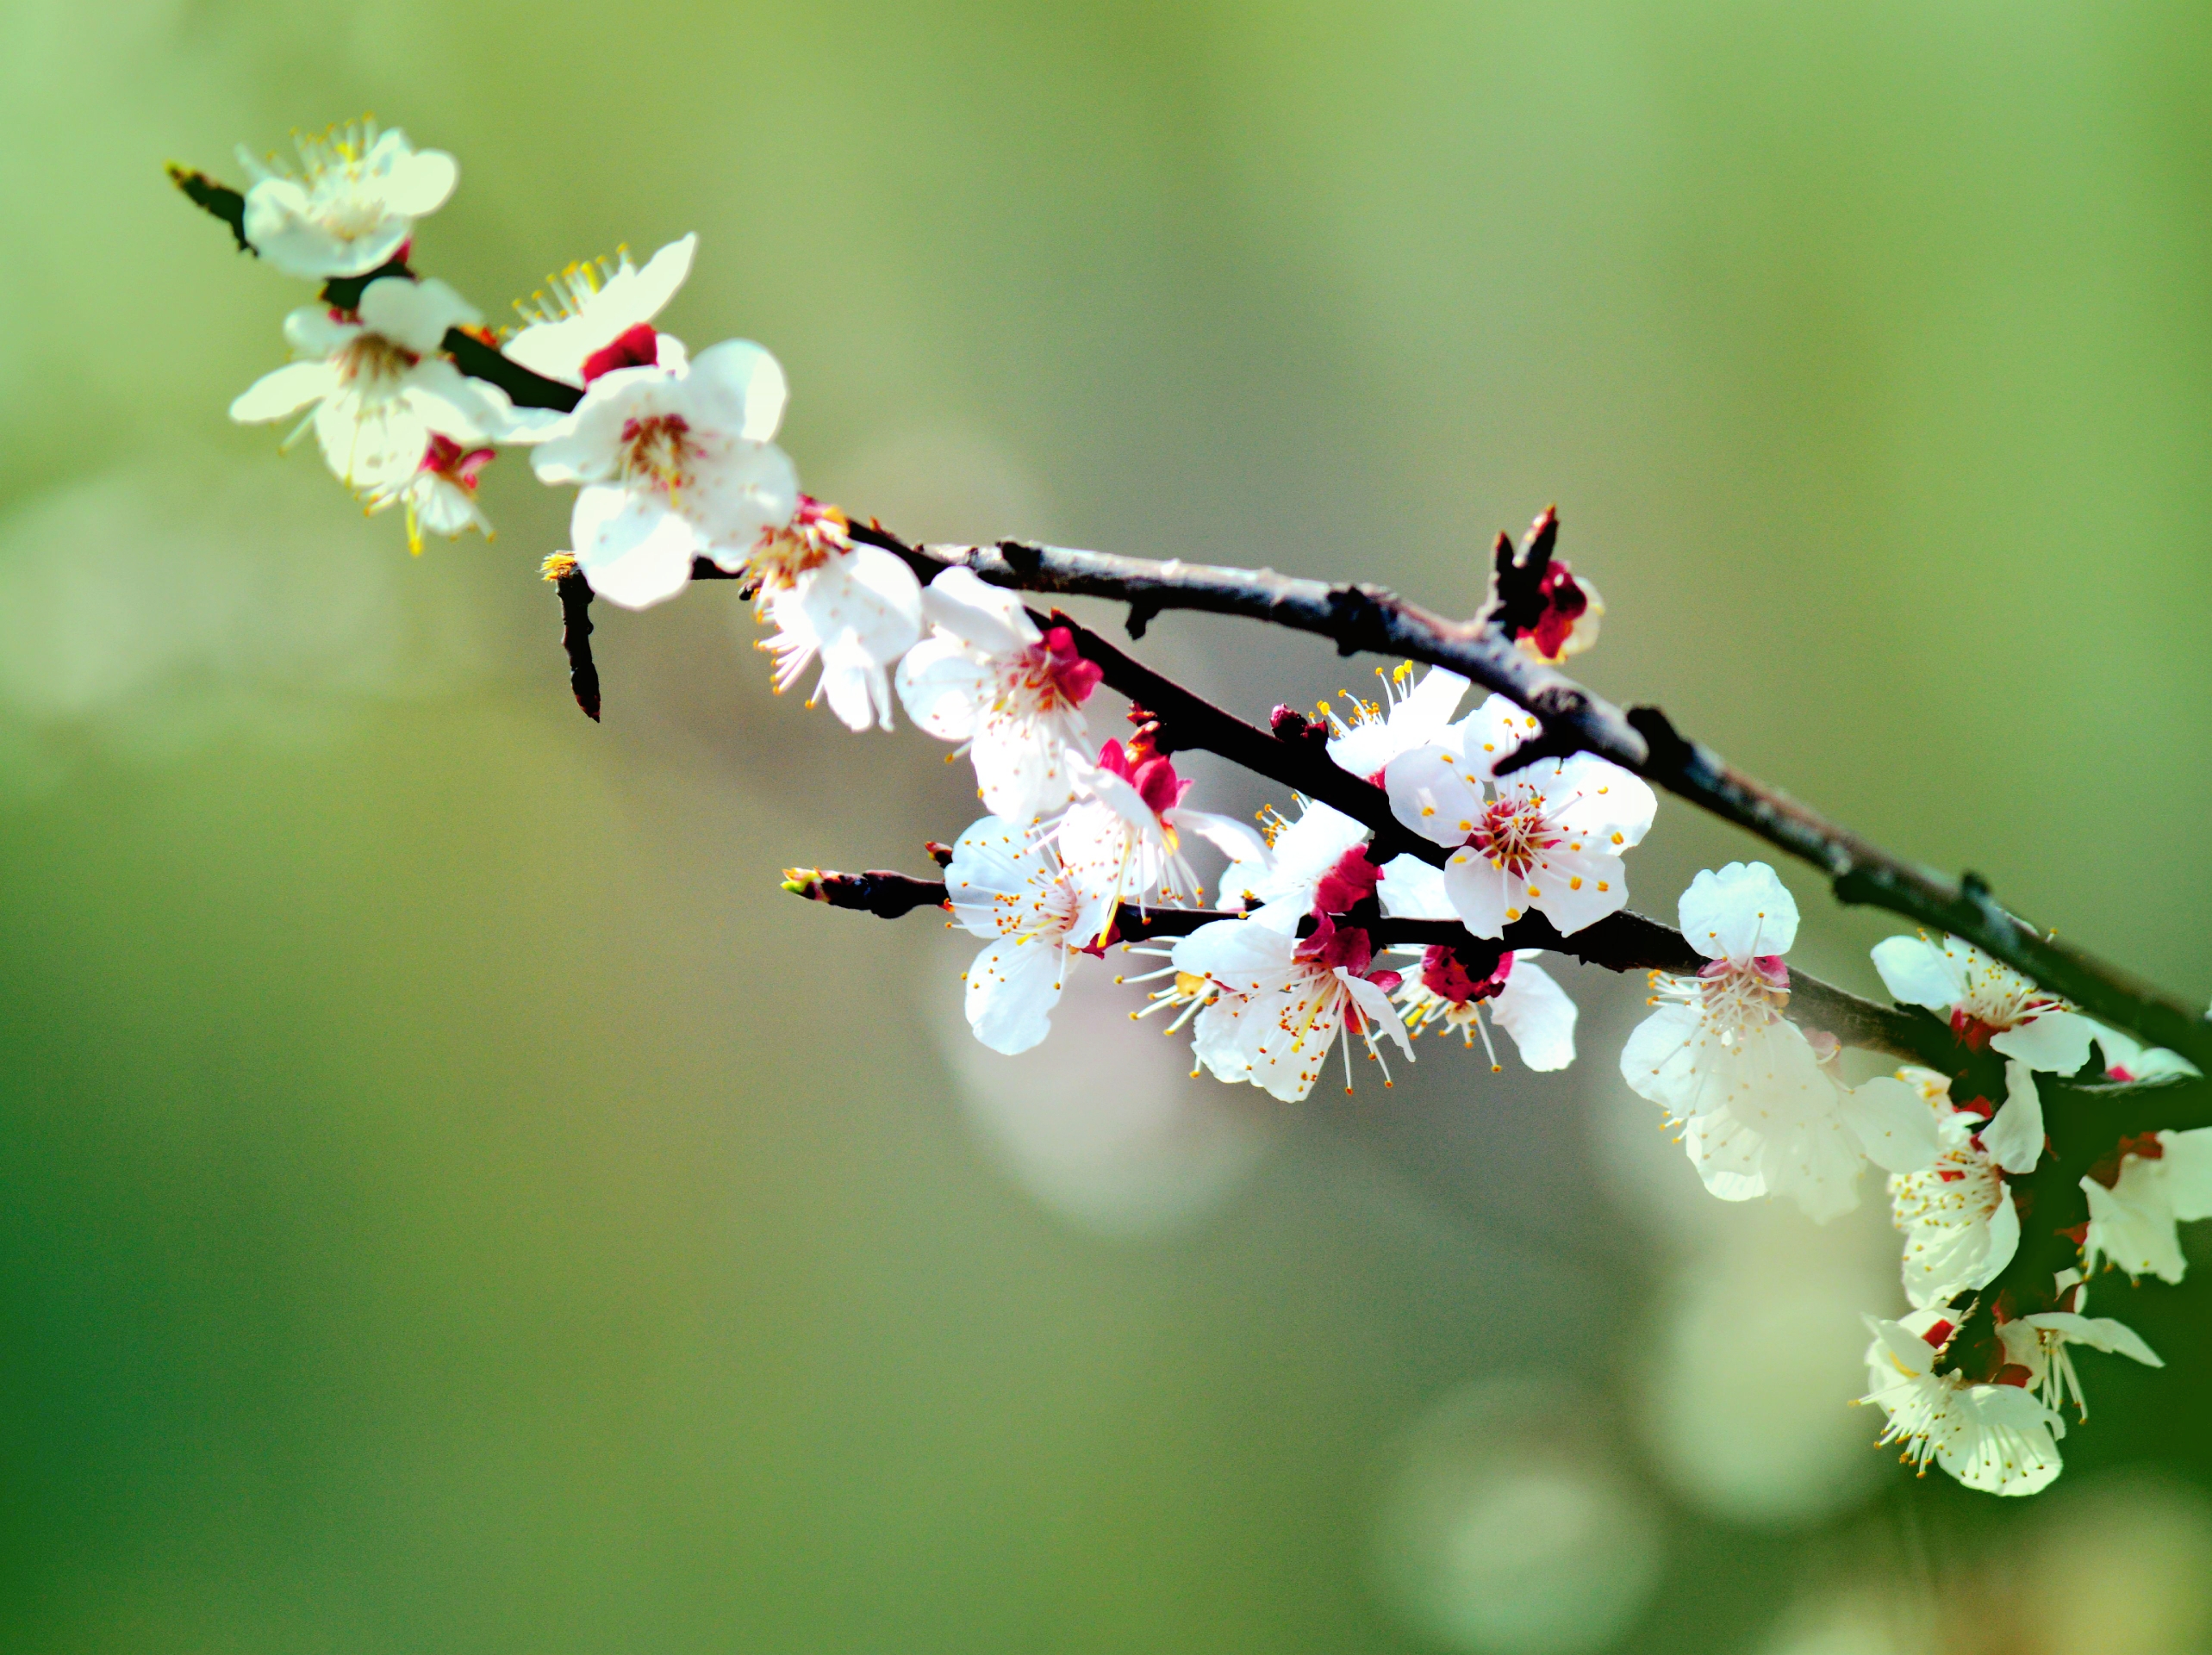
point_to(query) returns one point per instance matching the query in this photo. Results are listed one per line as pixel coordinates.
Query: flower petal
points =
(1012, 988)
(1477, 892)
(634, 551)
(2055, 1041)
(285, 392)
(2014, 1137)
(1895, 1128)
(1536, 1011)
(1435, 794)
(988, 618)
(943, 688)
(1918, 972)
(1738, 912)
(742, 386)
(1573, 890)
(2187, 1162)
(415, 313)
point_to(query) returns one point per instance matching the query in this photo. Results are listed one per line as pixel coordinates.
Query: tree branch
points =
(1370, 617)
(1622, 941)
(1362, 617)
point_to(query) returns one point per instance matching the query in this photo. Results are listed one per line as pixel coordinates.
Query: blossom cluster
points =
(1478, 826)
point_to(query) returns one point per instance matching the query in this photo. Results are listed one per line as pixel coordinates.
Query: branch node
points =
(1289, 725)
(1023, 557)
(1355, 615)
(1142, 611)
(1667, 753)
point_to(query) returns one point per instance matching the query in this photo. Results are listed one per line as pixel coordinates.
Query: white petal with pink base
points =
(1760, 1114)
(1548, 837)
(1998, 1439)
(374, 387)
(1004, 884)
(1011, 694)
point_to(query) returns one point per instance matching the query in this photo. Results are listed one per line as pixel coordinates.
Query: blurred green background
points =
(449, 1201)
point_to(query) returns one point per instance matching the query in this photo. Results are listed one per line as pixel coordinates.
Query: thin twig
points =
(1621, 941)
(576, 639)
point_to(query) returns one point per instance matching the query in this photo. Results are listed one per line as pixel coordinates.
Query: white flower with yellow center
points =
(352, 205)
(1548, 837)
(1279, 1003)
(377, 385)
(1004, 883)
(674, 463)
(1011, 694)
(1960, 1224)
(1759, 1115)
(1411, 713)
(1993, 1005)
(1999, 1438)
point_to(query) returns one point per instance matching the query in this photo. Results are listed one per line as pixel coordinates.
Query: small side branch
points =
(1622, 941)
(219, 200)
(575, 638)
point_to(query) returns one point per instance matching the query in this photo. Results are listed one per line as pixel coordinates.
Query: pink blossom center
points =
(1054, 671)
(374, 359)
(1153, 774)
(1513, 832)
(1564, 602)
(656, 447)
(1444, 974)
(1350, 882)
(637, 347)
(1335, 948)
(446, 458)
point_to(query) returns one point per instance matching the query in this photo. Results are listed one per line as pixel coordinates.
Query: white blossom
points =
(1960, 1223)
(596, 313)
(1996, 1438)
(1522, 998)
(856, 608)
(2162, 1179)
(1014, 695)
(1272, 1004)
(2039, 1344)
(1005, 883)
(1298, 854)
(676, 463)
(378, 388)
(1549, 836)
(1760, 1114)
(352, 205)
(1125, 840)
(2125, 1057)
(1993, 1005)
(1411, 714)
(441, 496)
